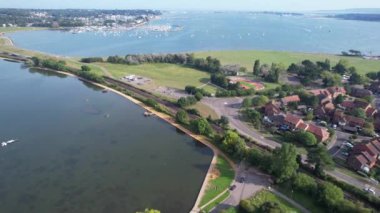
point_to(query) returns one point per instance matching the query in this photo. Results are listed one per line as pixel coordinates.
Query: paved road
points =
(230, 107)
(254, 182)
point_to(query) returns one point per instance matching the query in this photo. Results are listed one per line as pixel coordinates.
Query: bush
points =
(201, 126)
(182, 117)
(304, 183)
(85, 68)
(188, 101)
(92, 60)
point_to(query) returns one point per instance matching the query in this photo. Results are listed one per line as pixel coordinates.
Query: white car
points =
(348, 145)
(370, 190)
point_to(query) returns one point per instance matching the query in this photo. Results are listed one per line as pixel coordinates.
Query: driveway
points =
(230, 107)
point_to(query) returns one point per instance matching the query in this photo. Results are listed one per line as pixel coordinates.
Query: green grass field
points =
(266, 196)
(221, 183)
(247, 57)
(169, 75)
(216, 202)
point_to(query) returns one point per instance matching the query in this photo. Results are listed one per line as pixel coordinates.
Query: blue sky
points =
(289, 5)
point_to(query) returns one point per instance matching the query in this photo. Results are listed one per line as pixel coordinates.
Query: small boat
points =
(147, 114)
(4, 144)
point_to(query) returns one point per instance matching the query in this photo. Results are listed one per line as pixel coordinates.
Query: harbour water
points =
(81, 150)
(202, 31)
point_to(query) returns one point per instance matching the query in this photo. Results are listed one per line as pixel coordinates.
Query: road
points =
(254, 181)
(230, 107)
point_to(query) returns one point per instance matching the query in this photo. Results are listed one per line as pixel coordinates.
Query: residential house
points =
(364, 156)
(336, 91)
(296, 123)
(342, 119)
(289, 99)
(367, 107)
(272, 109)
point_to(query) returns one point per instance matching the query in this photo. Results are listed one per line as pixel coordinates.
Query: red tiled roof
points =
(333, 90)
(288, 99)
(372, 149)
(361, 104)
(361, 159)
(348, 104)
(329, 107)
(271, 109)
(303, 126)
(369, 157)
(376, 143)
(293, 119)
(354, 120)
(321, 133)
(370, 111)
(318, 92)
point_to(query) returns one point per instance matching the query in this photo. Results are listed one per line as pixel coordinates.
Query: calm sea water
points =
(81, 150)
(215, 31)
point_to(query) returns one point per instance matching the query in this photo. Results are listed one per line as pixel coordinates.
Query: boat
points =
(147, 114)
(4, 144)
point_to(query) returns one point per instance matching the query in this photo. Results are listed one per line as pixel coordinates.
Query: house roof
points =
(293, 98)
(354, 120)
(303, 126)
(376, 143)
(361, 159)
(318, 92)
(369, 157)
(270, 108)
(372, 149)
(333, 90)
(348, 104)
(329, 107)
(370, 111)
(318, 131)
(293, 119)
(361, 104)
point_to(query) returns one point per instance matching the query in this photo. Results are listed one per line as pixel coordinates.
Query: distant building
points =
(297, 123)
(289, 99)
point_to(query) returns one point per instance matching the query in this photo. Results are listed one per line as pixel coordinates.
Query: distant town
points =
(86, 19)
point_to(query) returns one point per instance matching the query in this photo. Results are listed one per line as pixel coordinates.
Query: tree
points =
(198, 96)
(271, 207)
(339, 99)
(304, 183)
(357, 79)
(320, 156)
(223, 121)
(309, 116)
(331, 79)
(201, 126)
(341, 67)
(306, 138)
(260, 101)
(247, 102)
(359, 112)
(284, 164)
(234, 145)
(36, 61)
(182, 117)
(85, 68)
(256, 68)
(369, 129)
(330, 195)
(253, 116)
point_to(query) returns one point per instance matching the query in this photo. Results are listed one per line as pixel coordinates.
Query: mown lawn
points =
(169, 75)
(219, 184)
(204, 110)
(305, 200)
(216, 202)
(247, 57)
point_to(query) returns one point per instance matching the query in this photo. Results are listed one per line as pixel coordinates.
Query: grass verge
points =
(224, 177)
(209, 207)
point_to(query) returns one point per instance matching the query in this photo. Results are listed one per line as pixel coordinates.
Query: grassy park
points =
(220, 183)
(246, 58)
(169, 75)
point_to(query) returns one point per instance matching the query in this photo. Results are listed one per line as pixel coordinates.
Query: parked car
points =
(370, 190)
(345, 154)
(232, 187)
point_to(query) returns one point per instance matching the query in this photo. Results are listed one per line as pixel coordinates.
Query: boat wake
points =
(5, 143)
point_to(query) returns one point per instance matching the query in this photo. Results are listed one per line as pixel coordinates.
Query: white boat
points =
(4, 144)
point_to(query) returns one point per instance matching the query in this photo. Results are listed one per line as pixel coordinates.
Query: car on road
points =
(345, 154)
(370, 190)
(232, 187)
